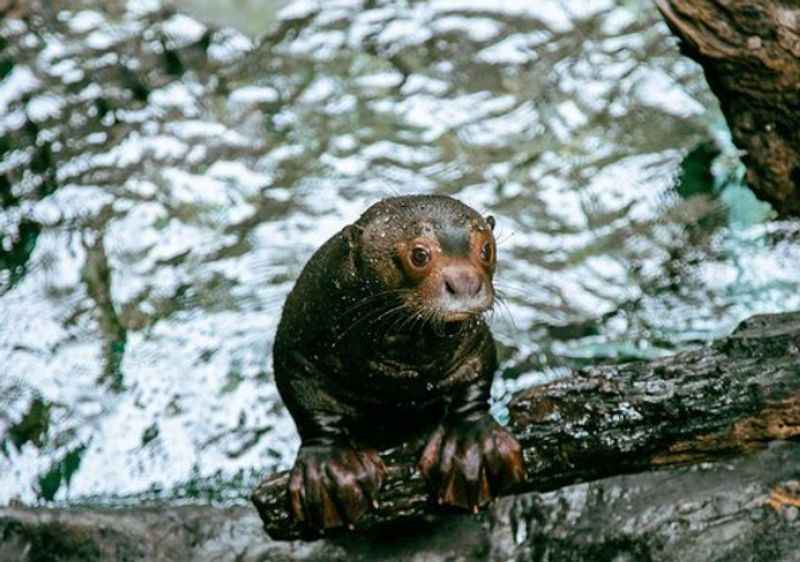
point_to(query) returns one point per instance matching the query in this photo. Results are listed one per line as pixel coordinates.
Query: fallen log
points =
(750, 52)
(727, 399)
(713, 512)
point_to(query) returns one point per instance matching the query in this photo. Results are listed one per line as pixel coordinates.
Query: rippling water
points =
(163, 180)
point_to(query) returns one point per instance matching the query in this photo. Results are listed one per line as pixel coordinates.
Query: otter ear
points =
(347, 237)
(349, 240)
(349, 249)
(490, 220)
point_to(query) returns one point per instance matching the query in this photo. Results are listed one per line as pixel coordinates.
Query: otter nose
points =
(462, 282)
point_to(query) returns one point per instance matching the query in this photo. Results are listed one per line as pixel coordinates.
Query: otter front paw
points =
(468, 464)
(333, 486)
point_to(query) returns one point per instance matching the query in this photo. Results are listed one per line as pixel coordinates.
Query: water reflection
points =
(162, 183)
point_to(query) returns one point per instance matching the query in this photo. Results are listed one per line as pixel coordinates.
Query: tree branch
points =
(730, 398)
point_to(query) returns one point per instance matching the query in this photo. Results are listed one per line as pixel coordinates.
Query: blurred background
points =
(166, 169)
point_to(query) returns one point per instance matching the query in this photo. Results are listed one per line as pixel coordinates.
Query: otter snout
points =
(462, 282)
(464, 291)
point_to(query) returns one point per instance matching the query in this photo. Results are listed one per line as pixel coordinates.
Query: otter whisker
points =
(501, 300)
(399, 324)
(507, 288)
(369, 317)
(389, 312)
(419, 321)
(370, 299)
(503, 237)
(380, 300)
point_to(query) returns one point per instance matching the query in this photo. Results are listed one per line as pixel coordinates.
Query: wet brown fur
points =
(365, 357)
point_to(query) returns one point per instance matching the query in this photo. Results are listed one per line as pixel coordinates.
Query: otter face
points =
(449, 269)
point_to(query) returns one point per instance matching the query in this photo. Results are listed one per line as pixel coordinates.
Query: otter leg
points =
(332, 484)
(470, 458)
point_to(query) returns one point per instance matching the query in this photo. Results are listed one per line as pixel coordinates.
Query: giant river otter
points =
(382, 338)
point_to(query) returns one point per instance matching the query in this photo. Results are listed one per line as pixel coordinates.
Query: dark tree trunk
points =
(730, 398)
(750, 52)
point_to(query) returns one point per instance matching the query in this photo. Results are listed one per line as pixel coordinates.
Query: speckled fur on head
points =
(410, 211)
(385, 229)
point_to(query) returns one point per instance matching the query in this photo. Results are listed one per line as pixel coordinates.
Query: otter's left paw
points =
(468, 464)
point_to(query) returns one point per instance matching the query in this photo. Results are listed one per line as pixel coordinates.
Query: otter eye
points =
(420, 256)
(486, 252)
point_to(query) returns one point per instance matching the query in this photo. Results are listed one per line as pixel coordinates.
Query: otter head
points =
(434, 253)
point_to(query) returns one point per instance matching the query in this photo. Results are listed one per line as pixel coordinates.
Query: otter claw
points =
(333, 486)
(468, 464)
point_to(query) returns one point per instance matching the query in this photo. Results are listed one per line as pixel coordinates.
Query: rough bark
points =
(713, 512)
(750, 52)
(732, 397)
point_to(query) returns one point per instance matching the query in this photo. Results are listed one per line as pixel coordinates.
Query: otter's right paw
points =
(333, 486)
